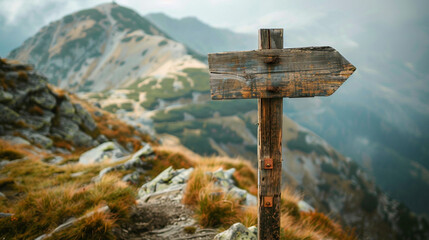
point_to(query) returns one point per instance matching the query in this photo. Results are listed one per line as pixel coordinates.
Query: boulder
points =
(82, 139)
(133, 177)
(32, 122)
(44, 99)
(106, 151)
(65, 129)
(133, 162)
(88, 124)
(169, 179)
(66, 108)
(15, 140)
(224, 179)
(182, 177)
(7, 115)
(37, 139)
(145, 151)
(237, 232)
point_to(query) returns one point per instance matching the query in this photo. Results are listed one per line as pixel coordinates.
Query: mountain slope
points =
(172, 98)
(101, 48)
(202, 37)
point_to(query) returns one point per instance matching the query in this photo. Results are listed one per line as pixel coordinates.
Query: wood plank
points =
(270, 73)
(270, 113)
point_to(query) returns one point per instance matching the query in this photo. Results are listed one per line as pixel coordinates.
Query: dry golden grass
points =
(245, 175)
(43, 210)
(164, 159)
(96, 227)
(197, 181)
(214, 208)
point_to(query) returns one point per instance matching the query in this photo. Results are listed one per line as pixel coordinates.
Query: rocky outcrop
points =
(135, 162)
(238, 232)
(172, 181)
(108, 151)
(34, 111)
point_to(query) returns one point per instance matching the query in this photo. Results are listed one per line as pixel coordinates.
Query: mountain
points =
(202, 37)
(168, 94)
(101, 48)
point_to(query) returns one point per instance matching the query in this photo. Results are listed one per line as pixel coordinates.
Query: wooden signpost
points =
(270, 74)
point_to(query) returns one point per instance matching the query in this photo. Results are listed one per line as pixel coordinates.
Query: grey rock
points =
(238, 193)
(150, 187)
(5, 96)
(237, 232)
(182, 177)
(66, 128)
(145, 151)
(44, 99)
(102, 139)
(132, 177)
(66, 108)
(32, 122)
(11, 76)
(168, 182)
(5, 215)
(161, 186)
(173, 190)
(2, 195)
(37, 139)
(133, 162)
(228, 173)
(251, 200)
(15, 140)
(254, 230)
(224, 179)
(88, 123)
(82, 139)
(106, 151)
(8, 115)
(98, 113)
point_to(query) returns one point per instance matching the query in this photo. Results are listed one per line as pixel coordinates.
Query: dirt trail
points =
(163, 218)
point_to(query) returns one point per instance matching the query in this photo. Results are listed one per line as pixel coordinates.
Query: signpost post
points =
(270, 74)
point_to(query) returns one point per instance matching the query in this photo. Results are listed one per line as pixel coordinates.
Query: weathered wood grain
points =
(270, 113)
(271, 73)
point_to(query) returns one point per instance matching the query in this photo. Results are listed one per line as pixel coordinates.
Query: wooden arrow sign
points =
(270, 74)
(273, 73)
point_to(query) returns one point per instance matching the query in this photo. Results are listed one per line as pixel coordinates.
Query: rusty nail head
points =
(268, 163)
(268, 201)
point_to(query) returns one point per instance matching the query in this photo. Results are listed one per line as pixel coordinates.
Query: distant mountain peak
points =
(100, 48)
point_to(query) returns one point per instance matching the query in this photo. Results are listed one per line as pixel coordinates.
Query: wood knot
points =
(271, 59)
(273, 89)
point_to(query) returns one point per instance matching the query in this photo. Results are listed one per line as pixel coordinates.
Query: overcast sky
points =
(331, 22)
(370, 33)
